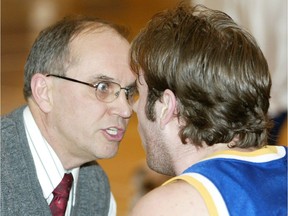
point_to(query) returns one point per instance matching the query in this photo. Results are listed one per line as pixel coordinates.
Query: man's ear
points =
(41, 91)
(168, 109)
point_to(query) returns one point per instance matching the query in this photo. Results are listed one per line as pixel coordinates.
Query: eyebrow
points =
(103, 77)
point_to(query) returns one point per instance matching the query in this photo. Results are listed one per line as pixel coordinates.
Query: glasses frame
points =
(95, 86)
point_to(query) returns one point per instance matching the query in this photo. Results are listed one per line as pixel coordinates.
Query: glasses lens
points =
(107, 91)
(132, 94)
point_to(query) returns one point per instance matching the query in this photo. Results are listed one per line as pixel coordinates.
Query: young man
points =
(79, 88)
(204, 89)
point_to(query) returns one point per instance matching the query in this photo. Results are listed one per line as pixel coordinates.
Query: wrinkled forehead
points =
(104, 53)
(102, 40)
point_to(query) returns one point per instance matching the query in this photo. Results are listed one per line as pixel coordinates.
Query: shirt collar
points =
(48, 166)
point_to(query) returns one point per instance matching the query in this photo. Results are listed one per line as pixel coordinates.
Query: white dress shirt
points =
(48, 166)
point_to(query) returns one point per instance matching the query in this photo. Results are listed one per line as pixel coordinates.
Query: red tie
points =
(61, 195)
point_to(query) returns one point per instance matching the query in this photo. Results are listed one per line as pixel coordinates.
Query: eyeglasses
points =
(107, 91)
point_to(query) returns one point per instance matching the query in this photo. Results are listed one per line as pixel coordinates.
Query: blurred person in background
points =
(204, 88)
(79, 90)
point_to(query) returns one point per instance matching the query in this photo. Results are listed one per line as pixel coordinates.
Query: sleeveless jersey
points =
(242, 183)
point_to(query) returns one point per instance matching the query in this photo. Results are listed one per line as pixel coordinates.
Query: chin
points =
(110, 154)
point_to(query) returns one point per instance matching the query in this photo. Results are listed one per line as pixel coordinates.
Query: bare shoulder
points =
(178, 198)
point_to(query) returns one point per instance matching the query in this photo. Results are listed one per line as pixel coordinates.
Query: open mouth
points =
(114, 134)
(112, 131)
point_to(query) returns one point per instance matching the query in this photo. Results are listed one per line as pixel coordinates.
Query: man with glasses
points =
(79, 89)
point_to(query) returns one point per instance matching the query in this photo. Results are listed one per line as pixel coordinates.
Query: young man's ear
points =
(41, 91)
(168, 109)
